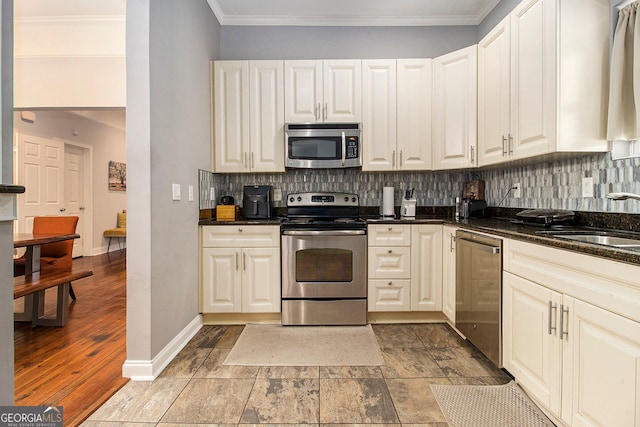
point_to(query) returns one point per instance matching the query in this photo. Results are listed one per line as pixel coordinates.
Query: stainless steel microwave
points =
(322, 145)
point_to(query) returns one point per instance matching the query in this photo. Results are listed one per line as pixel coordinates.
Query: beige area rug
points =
(488, 406)
(276, 345)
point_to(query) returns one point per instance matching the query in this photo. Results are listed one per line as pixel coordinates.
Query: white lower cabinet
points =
(405, 267)
(566, 346)
(449, 273)
(240, 269)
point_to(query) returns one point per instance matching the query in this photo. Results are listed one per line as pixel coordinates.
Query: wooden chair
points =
(120, 232)
(52, 255)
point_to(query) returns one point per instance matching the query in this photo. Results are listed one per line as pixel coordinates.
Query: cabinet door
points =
(414, 99)
(449, 273)
(426, 267)
(494, 76)
(303, 91)
(379, 114)
(533, 84)
(455, 107)
(389, 295)
(530, 337)
(260, 280)
(392, 262)
(342, 91)
(231, 116)
(267, 116)
(221, 280)
(601, 376)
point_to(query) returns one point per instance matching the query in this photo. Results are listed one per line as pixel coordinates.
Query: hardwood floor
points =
(77, 366)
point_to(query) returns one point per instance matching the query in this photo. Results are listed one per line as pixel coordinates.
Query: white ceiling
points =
(351, 12)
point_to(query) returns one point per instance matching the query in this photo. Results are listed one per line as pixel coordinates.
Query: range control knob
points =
(291, 199)
(353, 199)
(346, 198)
(299, 198)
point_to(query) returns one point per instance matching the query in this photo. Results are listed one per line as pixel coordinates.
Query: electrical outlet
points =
(517, 193)
(587, 187)
(175, 191)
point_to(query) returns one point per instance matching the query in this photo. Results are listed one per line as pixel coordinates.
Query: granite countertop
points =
(212, 221)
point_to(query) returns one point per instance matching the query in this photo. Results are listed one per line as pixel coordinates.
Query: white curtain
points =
(624, 88)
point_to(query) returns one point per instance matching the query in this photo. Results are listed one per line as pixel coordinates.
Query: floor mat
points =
(488, 406)
(276, 345)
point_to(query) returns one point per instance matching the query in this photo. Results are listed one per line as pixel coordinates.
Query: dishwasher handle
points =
(486, 248)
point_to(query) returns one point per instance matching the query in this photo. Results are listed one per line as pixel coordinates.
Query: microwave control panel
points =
(352, 147)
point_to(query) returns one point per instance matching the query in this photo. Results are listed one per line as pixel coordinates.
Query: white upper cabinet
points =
(323, 91)
(455, 109)
(414, 99)
(396, 104)
(248, 116)
(555, 101)
(379, 114)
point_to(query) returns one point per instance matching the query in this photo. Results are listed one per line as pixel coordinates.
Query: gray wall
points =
(169, 46)
(6, 227)
(272, 42)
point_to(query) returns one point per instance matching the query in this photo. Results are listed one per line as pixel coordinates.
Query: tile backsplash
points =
(555, 184)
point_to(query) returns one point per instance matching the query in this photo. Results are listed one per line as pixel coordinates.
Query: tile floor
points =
(197, 389)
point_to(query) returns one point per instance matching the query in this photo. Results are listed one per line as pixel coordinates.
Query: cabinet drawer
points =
(246, 236)
(390, 235)
(393, 262)
(389, 295)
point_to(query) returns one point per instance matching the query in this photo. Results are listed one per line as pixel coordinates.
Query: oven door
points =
(324, 264)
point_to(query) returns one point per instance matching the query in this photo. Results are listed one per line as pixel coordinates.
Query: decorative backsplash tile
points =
(553, 184)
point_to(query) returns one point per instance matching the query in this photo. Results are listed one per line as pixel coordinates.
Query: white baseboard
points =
(148, 370)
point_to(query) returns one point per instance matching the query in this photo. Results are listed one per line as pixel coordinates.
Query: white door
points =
(261, 280)
(221, 280)
(41, 172)
(303, 91)
(342, 90)
(74, 191)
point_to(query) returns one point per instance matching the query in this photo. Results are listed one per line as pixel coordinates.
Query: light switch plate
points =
(517, 191)
(587, 187)
(191, 193)
(175, 191)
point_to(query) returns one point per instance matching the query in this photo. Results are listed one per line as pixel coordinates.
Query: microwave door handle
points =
(344, 148)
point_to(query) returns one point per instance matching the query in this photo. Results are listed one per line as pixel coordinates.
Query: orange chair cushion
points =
(55, 225)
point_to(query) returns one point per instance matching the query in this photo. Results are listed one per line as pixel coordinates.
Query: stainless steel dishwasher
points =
(479, 292)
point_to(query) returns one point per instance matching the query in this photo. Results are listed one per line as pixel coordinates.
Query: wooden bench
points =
(35, 284)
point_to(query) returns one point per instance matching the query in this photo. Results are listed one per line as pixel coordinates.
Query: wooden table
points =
(34, 303)
(32, 242)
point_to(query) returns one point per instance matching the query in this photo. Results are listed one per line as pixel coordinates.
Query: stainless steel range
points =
(324, 260)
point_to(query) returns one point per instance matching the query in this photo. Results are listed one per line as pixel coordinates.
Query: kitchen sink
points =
(599, 239)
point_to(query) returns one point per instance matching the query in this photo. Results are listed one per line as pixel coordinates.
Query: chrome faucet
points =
(623, 196)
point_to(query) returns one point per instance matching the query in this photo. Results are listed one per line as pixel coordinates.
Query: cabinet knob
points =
(390, 251)
(239, 230)
(390, 229)
(390, 283)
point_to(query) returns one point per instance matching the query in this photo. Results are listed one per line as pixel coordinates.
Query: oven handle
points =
(323, 232)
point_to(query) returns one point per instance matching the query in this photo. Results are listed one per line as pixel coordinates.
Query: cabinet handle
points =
(237, 261)
(393, 159)
(452, 237)
(473, 155)
(510, 144)
(504, 146)
(562, 312)
(552, 307)
(253, 162)
(400, 163)
(324, 114)
(317, 112)
(244, 261)
(244, 160)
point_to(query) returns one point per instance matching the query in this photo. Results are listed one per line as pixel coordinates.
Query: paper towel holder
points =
(388, 203)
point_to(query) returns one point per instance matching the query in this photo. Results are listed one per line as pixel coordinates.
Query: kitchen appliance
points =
(324, 260)
(479, 292)
(256, 201)
(545, 216)
(471, 208)
(408, 206)
(322, 145)
(473, 190)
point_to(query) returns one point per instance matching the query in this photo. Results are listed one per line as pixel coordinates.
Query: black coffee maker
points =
(256, 201)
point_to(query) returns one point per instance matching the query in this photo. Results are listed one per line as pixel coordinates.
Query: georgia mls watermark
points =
(31, 416)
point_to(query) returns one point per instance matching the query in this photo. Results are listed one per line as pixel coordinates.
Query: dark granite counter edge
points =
(11, 189)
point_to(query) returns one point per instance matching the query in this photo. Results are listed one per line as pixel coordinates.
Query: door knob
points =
(62, 209)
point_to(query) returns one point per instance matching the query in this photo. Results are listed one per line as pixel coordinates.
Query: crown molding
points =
(351, 21)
